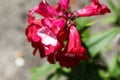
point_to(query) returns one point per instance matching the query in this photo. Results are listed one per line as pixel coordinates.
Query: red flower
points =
(95, 8)
(69, 61)
(42, 38)
(74, 51)
(74, 46)
(55, 35)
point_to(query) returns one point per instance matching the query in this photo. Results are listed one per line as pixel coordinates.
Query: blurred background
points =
(16, 59)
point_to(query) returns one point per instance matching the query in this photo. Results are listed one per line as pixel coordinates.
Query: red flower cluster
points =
(55, 35)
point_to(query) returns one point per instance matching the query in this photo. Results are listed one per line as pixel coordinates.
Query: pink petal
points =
(74, 47)
(64, 3)
(42, 38)
(30, 18)
(31, 33)
(94, 1)
(47, 22)
(58, 25)
(45, 10)
(74, 40)
(47, 36)
(63, 35)
(48, 40)
(95, 8)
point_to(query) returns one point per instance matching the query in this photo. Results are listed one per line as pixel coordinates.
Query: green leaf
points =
(85, 35)
(109, 20)
(81, 22)
(66, 70)
(118, 2)
(114, 67)
(114, 7)
(103, 74)
(91, 23)
(118, 57)
(98, 42)
(38, 73)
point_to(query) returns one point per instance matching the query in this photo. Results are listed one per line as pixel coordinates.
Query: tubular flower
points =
(95, 8)
(74, 46)
(55, 35)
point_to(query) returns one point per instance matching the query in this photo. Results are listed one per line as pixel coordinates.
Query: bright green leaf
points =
(66, 70)
(81, 22)
(103, 74)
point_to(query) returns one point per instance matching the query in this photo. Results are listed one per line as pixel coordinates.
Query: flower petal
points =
(45, 10)
(94, 1)
(74, 40)
(95, 8)
(58, 25)
(42, 38)
(47, 36)
(51, 58)
(47, 22)
(48, 40)
(64, 3)
(74, 47)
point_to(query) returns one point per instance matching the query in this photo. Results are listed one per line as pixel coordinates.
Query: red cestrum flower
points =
(55, 35)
